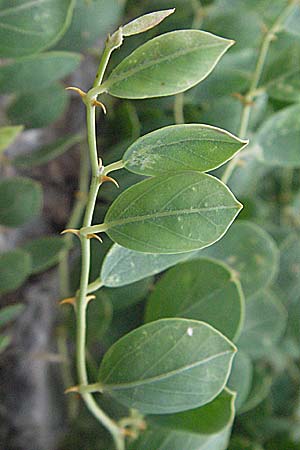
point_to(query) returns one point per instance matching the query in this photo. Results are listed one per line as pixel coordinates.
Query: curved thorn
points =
(94, 236)
(105, 178)
(72, 389)
(68, 301)
(90, 297)
(72, 231)
(102, 106)
(75, 89)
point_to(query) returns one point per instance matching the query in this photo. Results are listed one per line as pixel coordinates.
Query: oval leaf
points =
(145, 22)
(265, 322)
(171, 214)
(8, 135)
(164, 439)
(28, 27)
(166, 65)
(167, 366)
(46, 153)
(281, 131)
(44, 252)
(201, 290)
(40, 108)
(123, 266)
(208, 419)
(251, 252)
(36, 72)
(181, 147)
(15, 267)
(91, 20)
(240, 380)
(20, 200)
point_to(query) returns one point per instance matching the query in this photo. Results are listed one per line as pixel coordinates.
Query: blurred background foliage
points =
(49, 45)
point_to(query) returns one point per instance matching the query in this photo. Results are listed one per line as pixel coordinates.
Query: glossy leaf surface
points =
(46, 153)
(281, 131)
(166, 65)
(15, 267)
(181, 147)
(172, 214)
(167, 366)
(44, 252)
(20, 35)
(20, 200)
(251, 252)
(8, 135)
(36, 72)
(201, 290)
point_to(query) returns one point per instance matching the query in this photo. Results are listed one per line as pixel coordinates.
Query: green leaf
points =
(91, 21)
(122, 266)
(278, 132)
(36, 72)
(241, 443)
(124, 296)
(287, 89)
(46, 153)
(15, 267)
(164, 439)
(229, 19)
(171, 214)
(4, 342)
(166, 65)
(240, 380)
(265, 323)
(8, 135)
(289, 271)
(40, 108)
(250, 252)
(10, 312)
(208, 419)
(167, 366)
(261, 385)
(27, 27)
(145, 22)
(181, 147)
(44, 252)
(201, 290)
(20, 200)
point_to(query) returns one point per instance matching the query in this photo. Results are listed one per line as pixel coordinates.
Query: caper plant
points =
(175, 364)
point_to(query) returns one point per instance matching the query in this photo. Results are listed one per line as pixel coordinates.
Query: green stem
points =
(113, 166)
(80, 202)
(249, 98)
(81, 301)
(95, 286)
(178, 108)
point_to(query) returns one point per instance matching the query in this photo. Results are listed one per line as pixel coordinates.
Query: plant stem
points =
(178, 108)
(250, 96)
(81, 301)
(63, 268)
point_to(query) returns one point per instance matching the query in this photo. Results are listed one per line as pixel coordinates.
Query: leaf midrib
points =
(164, 376)
(169, 213)
(113, 79)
